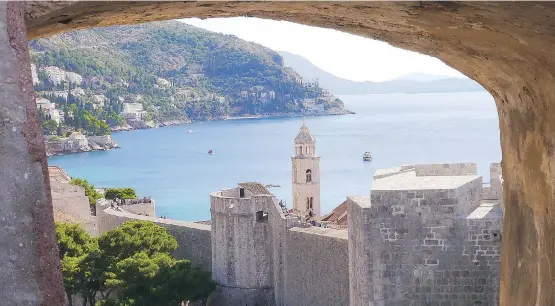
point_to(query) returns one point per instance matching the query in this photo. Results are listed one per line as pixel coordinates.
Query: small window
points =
(261, 216)
(310, 203)
(308, 176)
(241, 192)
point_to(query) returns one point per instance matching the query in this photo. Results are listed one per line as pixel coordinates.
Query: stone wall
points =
(418, 248)
(361, 254)
(70, 199)
(242, 264)
(69, 202)
(496, 182)
(194, 239)
(466, 198)
(280, 223)
(143, 209)
(446, 169)
(317, 269)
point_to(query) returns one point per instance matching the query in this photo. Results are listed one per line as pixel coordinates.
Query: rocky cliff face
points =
(69, 145)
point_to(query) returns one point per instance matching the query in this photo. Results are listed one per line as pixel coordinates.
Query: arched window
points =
(308, 176)
(310, 203)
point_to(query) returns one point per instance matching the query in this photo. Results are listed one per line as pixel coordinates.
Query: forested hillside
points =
(175, 71)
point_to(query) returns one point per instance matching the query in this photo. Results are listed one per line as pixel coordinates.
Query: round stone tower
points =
(306, 175)
(242, 247)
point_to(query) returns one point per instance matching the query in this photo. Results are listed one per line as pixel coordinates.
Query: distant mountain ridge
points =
(412, 83)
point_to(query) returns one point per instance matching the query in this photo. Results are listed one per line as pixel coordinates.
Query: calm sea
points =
(172, 166)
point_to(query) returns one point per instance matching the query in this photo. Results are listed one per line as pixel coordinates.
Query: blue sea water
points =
(172, 166)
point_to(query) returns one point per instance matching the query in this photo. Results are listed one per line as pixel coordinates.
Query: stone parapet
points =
(446, 169)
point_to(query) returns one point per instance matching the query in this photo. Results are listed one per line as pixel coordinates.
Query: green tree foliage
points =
(134, 237)
(90, 192)
(130, 265)
(49, 127)
(120, 193)
(130, 60)
(73, 240)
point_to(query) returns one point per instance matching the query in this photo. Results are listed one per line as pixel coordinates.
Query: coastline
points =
(289, 115)
(78, 143)
(265, 116)
(112, 145)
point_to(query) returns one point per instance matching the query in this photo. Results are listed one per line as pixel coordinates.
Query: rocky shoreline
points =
(139, 125)
(78, 143)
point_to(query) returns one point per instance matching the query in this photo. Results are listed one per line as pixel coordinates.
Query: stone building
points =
(425, 236)
(133, 111)
(76, 142)
(241, 233)
(306, 175)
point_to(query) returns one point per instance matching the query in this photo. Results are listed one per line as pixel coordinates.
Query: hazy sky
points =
(345, 55)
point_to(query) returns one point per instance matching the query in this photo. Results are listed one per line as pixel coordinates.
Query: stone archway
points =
(507, 47)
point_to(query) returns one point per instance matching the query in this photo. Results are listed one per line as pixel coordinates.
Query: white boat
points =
(189, 131)
(367, 156)
(210, 152)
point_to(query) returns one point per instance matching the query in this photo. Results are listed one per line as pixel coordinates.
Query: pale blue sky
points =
(345, 55)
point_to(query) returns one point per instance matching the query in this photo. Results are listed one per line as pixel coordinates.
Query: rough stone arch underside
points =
(507, 47)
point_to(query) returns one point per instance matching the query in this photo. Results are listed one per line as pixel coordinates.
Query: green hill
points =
(175, 71)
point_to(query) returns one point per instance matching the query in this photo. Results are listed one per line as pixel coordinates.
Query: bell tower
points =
(306, 175)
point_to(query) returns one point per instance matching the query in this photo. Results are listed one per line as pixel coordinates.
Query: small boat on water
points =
(367, 156)
(210, 152)
(189, 131)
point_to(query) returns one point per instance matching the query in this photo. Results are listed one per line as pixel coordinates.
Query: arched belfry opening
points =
(507, 47)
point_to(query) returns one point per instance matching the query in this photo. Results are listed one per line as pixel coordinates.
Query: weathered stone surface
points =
(317, 267)
(508, 47)
(29, 273)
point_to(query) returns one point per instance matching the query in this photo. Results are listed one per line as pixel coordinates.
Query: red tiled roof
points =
(255, 187)
(338, 215)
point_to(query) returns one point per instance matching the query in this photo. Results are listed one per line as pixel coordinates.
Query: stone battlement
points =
(426, 235)
(446, 169)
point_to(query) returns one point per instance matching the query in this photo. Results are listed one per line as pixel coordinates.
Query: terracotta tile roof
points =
(338, 215)
(255, 187)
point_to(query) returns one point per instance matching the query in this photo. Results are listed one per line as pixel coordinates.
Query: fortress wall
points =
(423, 254)
(70, 199)
(446, 169)
(360, 251)
(279, 225)
(496, 182)
(317, 267)
(467, 197)
(242, 264)
(244, 257)
(145, 209)
(194, 239)
(69, 202)
(476, 272)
